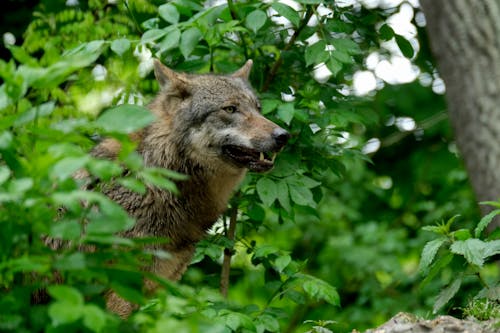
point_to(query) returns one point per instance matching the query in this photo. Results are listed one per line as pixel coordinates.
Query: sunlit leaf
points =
(256, 20)
(124, 118)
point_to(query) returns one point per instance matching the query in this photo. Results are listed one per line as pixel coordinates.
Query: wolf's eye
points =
(230, 109)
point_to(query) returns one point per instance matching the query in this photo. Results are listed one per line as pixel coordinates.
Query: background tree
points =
(465, 37)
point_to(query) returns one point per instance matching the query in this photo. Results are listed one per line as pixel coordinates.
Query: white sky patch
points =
(9, 39)
(99, 72)
(396, 71)
(371, 146)
(406, 124)
(438, 86)
(364, 82)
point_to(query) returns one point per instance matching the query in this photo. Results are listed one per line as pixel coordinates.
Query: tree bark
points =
(465, 39)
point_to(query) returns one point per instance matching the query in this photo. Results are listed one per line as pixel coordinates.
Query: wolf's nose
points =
(280, 136)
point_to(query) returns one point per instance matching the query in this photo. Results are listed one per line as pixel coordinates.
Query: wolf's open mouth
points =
(252, 159)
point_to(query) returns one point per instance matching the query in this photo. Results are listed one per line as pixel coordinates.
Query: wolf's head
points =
(217, 119)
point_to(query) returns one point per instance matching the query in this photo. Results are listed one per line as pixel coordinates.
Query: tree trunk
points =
(465, 39)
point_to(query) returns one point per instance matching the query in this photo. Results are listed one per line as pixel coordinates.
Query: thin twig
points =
(228, 252)
(288, 46)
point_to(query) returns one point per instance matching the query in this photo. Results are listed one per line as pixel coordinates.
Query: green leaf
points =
(41, 110)
(65, 230)
(269, 105)
(334, 66)
(429, 253)
(169, 13)
(171, 40)
(287, 12)
(286, 112)
(104, 169)
(66, 294)
(237, 321)
(120, 46)
(73, 261)
(64, 313)
(342, 57)
(283, 195)
(405, 46)
(301, 196)
(152, 35)
(316, 53)
(472, 249)
(4, 174)
(485, 221)
(492, 248)
(267, 191)
(386, 32)
(256, 20)
(132, 184)
(268, 323)
(346, 45)
(447, 294)
(67, 167)
(282, 262)
(125, 118)
(321, 290)
(189, 40)
(94, 318)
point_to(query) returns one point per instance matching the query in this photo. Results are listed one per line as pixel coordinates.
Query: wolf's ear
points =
(169, 78)
(244, 71)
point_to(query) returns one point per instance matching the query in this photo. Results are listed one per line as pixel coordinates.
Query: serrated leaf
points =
(267, 191)
(316, 53)
(287, 12)
(429, 253)
(171, 40)
(169, 13)
(256, 20)
(120, 46)
(321, 290)
(485, 221)
(472, 249)
(492, 248)
(405, 46)
(125, 118)
(189, 40)
(342, 57)
(447, 294)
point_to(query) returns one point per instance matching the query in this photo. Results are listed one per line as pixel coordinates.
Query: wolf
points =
(210, 128)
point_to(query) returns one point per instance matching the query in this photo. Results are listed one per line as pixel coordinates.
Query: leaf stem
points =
(228, 252)
(291, 42)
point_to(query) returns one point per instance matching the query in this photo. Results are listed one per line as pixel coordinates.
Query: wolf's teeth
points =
(261, 156)
(273, 158)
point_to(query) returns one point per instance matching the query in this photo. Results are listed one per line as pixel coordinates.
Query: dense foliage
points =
(332, 237)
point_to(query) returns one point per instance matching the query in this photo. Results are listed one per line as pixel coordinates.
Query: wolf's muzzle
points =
(280, 137)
